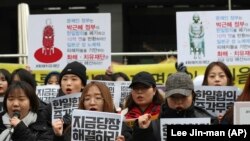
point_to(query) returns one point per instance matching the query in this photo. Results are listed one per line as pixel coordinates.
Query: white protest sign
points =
(57, 39)
(125, 91)
(215, 99)
(96, 126)
(206, 36)
(47, 92)
(241, 112)
(115, 91)
(180, 121)
(64, 105)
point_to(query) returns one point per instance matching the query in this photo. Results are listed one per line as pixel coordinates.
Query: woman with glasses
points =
(143, 99)
(179, 103)
(96, 96)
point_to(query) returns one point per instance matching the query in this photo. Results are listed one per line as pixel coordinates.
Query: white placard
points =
(241, 112)
(47, 92)
(216, 99)
(206, 36)
(64, 105)
(93, 125)
(57, 39)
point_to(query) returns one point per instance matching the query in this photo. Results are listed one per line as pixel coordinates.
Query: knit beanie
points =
(75, 68)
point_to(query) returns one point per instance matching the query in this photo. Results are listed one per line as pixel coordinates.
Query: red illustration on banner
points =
(48, 53)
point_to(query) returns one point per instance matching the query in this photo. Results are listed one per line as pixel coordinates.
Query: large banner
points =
(159, 71)
(57, 39)
(206, 36)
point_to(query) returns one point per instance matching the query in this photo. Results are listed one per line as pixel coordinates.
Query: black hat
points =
(75, 68)
(144, 78)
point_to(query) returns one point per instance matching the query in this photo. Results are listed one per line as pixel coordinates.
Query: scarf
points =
(135, 112)
(27, 120)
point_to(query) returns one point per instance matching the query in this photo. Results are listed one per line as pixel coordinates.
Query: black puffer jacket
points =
(38, 131)
(152, 133)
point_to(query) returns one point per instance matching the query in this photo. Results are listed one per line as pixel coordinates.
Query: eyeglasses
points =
(96, 99)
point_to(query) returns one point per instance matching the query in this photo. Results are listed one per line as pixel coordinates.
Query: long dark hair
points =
(28, 91)
(230, 81)
(6, 75)
(24, 75)
(49, 75)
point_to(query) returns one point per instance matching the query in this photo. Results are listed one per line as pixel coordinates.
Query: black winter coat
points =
(152, 133)
(38, 131)
(46, 113)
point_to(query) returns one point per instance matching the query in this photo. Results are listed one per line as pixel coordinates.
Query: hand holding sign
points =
(58, 127)
(144, 121)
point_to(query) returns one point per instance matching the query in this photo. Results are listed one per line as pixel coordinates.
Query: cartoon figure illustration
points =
(48, 53)
(196, 35)
(48, 40)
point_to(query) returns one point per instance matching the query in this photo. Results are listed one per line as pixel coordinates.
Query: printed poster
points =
(207, 36)
(57, 39)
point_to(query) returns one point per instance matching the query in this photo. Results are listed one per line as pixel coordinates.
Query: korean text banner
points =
(159, 71)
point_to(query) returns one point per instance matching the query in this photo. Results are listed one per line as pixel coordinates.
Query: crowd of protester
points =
(26, 117)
